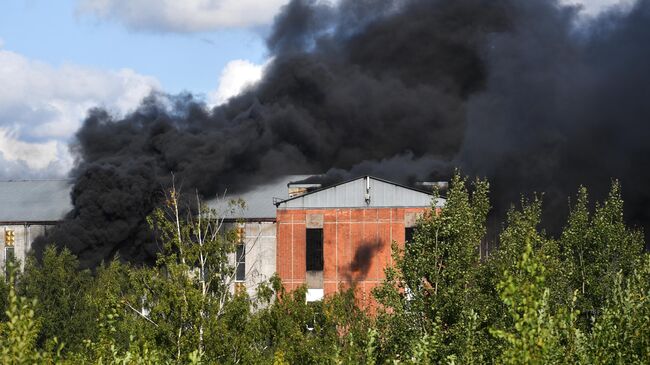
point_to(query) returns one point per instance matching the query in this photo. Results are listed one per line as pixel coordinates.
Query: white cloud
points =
(41, 106)
(183, 16)
(35, 155)
(235, 78)
(24, 160)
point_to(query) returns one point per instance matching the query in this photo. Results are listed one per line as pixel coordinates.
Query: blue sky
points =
(53, 31)
(58, 58)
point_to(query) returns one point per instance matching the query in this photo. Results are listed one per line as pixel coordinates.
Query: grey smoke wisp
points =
(521, 92)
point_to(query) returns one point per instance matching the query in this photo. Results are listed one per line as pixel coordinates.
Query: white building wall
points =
(260, 240)
(24, 235)
(260, 254)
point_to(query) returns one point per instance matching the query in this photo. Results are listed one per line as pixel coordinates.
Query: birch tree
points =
(190, 284)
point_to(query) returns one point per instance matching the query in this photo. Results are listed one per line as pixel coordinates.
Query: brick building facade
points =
(341, 235)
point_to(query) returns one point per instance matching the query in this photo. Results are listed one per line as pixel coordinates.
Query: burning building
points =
(341, 235)
(524, 93)
(324, 237)
(255, 223)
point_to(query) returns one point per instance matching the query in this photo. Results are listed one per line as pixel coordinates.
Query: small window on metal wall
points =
(241, 262)
(409, 234)
(240, 254)
(314, 249)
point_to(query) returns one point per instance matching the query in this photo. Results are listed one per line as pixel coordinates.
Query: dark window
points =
(314, 249)
(241, 262)
(9, 260)
(409, 232)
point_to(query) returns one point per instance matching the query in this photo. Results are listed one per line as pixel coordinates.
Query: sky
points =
(60, 58)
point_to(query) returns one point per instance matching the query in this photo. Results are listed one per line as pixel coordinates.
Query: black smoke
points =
(526, 93)
(564, 106)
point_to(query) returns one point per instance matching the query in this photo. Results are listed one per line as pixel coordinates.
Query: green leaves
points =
(18, 333)
(580, 298)
(534, 338)
(435, 282)
(597, 246)
(58, 286)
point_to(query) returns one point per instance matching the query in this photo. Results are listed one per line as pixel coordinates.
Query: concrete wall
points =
(260, 239)
(356, 245)
(24, 234)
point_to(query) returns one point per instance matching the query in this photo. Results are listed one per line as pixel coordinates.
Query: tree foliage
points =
(581, 297)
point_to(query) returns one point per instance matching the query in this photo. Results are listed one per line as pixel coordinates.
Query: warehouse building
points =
(341, 235)
(322, 237)
(28, 208)
(255, 223)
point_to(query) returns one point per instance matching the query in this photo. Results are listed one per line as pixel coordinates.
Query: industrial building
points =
(28, 208)
(341, 235)
(326, 238)
(256, 225)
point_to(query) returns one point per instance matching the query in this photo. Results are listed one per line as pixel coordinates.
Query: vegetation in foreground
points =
(580, 298)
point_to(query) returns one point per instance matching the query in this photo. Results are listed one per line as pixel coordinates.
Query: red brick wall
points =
(356, 246)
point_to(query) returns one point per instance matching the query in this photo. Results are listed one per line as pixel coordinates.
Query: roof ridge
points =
(277, 204)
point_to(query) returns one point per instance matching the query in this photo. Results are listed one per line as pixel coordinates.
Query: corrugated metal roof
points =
(352, 194)
(259, 199)
(34, 200)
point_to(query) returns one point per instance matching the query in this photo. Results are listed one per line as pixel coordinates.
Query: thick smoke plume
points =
(522, 92)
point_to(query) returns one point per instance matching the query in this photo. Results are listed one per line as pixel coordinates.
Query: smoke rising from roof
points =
(402, 89)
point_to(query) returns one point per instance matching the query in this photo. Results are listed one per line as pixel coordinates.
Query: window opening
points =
(409, 234)
(314, 249)
(240, 255)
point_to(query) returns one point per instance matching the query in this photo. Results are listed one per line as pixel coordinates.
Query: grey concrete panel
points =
(314, 221)
(314, 279)
(411, 218)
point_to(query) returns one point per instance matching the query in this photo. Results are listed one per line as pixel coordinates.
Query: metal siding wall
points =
(352, 195)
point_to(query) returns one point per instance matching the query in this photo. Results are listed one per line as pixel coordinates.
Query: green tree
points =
(59, 288)
(117, 304)
(597, 247)
(522, 229)
(190, 284)
(621, 334)
(433, 285)
(538, 335)
(19, 332)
